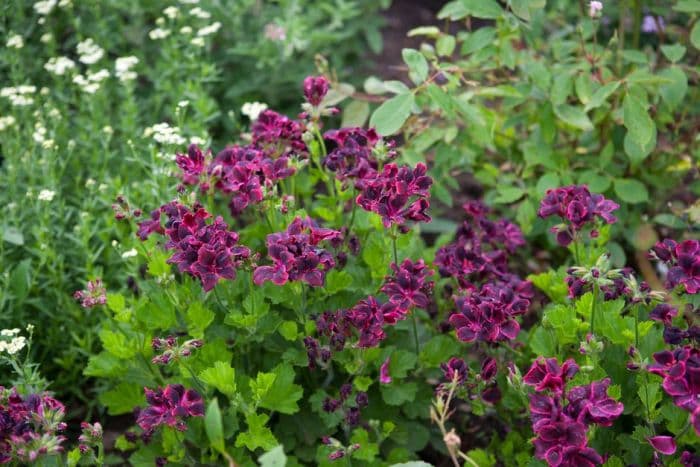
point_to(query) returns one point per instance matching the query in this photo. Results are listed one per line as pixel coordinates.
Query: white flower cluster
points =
(44, 7)
(199, 13)
(163, 133)
(123, 66)
(89, 51)
(253, 109)
(59, 65)
(7, 122)
(130, 253)
(19, 95)
(209, 30)
(171, 12)
(46, 195)
(15, 344)
(91, 82)
(15, 41)
(39, 136)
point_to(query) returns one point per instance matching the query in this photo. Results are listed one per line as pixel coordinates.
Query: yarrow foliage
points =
(561, 418)
(296, 254)
(170, 406)
(578, 207)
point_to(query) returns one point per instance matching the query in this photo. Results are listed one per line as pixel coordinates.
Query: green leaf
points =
(417, 65)
(637, 121)
(123, 398)
(198, 319)
(13, 235)
(453, 10)
(631, 191)
(437, 350)
(695, 35)
(561, 88)
(596, 182)
(116, 302)
(21, 280)
(542, 341)
(398, 394)
(362, 383)
(635, 152)
(521, 9)
(392, 114)
(488, 9)
(431, 31)
(283, 395)
(337, 281)
(508, 194)
(673, 52)
(221, 376)
(546, 182)
(273, 458)
(367, 451)
(674, 92)
(214, 426)
(258, 434)
(669, 220)
(477, 40)
(563, 320)
(600, 96)
(401, 362)
(118, 345)
(355, 114)
(288, 330)
(574, 116)
(688, 6)
(261, 384)
(445, 45)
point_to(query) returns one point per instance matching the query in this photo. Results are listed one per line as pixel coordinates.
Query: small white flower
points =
(197, 41)
(65, 4)
(158, 33)
(171, 12)
(30, 328)
(115, 243)
(209, 30)
(89, 51)
(48, 144)
(182, 104)
(45, 6)
(253, 109)
(9, 332)
(199, 13)
(122, 68)
(130, 253)
(15, 41)
(108, 130)
(102, 187)
(46, 195)
(16, 344)
(46, 38)
(197, 140)
(7, 122)
(186, 30)
(59, 65)
(89, 182)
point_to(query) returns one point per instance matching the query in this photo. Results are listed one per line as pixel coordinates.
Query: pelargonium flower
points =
(384, 376)
(408, 286)
(315, 89)
(591, 404)
(547, 374)
(666, 445)
(368, 317)
(398, 194)
(455, 370)
(683, 261)
(488, 314)
(350, 153)
(296, 254)
(278, 135)
(663, 313)
(192, 164)
(578, 207)
(680, 370)
(95, 294)
(170, 406)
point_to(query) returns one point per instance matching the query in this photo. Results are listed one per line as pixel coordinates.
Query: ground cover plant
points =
(406, 276)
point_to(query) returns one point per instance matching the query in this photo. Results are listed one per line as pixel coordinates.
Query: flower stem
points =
(593, 306)
(415, 332)
(393, 244)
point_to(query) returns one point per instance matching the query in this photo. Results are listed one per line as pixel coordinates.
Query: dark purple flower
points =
(683, 261)
(368, 318)
(455, 370)
(277, 135)
(384, 376)
(666, 445)
(547, 374)
(170, 406)
(489, 369)
(350, 153)
(192, 164)
(295, 254)
(591, 404)
(315, 89)
(408, 286)
(663, 313)
(152, 225)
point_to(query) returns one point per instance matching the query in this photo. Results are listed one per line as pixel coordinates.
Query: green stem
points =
(621, 36)
(636, 28)
(636, 327)
(593, 306)
(393, 244)
(415, 332)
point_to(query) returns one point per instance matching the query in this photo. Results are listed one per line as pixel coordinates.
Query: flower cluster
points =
(488, 314)
(480, 250)
(278, 136)
(315, 89)
(351, 154)
(456, 374)
(350, 406)
(673, 335)
(11, 342)
(169, 406)
(408, 287)
(296, 255)
(578, 207)
(398, 194)
(90, 436)
(683, 262)
(95, 294)
(206, 251)
(170, 350)
(368, 317)
(30, 426)
(680, 370)
(561, 418)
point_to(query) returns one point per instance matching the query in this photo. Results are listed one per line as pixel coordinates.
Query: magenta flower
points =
(315, 89)
(591, 404)
(192, 164)
(384, 376)
(663, 313)
(170, 406)
(666, 445)
(368, 318)
(455, 370)
(95, 294)
(295, 254)
(277, 135)
(398, 194)
(578, 208)
(683, 261)
(547, 374)
(350, 153)
(408, 286)
(488, 314)
(152, 225)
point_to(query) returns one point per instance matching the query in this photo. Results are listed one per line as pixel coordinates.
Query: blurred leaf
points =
(508, 194)
(392, 114)
(631, 191)
(574, 116)
(695, 35)
(221, 376)
(273, 458)
(417, 65)
(355, 114)
(673, 93)
(214, 426)
(13, 235)
(601, 95)
(673, 52)
(488, 9)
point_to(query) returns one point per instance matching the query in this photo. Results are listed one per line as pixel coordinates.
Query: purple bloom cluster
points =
(315, 89)
(673, 335)
(350, 154)
(278, 136)
(169, 406)
(488, 314)
(680, 370)
(398, 194)
(408, 287)
(351, 407)
(296, 255)
(480, 251)
(368, 317)
(561, 418)
(171, 351)
(192, 164)
(578, 207)
(94, 295)
(683, 261)
(30, 426)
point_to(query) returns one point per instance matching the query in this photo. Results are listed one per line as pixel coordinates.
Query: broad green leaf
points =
(424, 31)
(695, 35)
(283, 395)
(601, 95)
(574, 116)
(258, 434)
(392, 114)
(367, 451)
(542, 341)
(521, 8)
(454, 10)
(118, 344)
(637, 121)
(631, 191)
(445, 45)
(116, 302)
(508, 194)
(417, 65)
(596, 182)
(488, 9)
(437, 350)
(198, 319)
(288, 330)
(21, 280)
(123, 398)
(635, 152)
(214, 426)
(399, 394)
(13, 235)
(546, 182)
(669, 220)
(688, 6)
(674, 92)
(673, 52)
(221, 376)
(261, 384)
(561, 88)
(273, 458)
(355, 114)
(477, 40)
